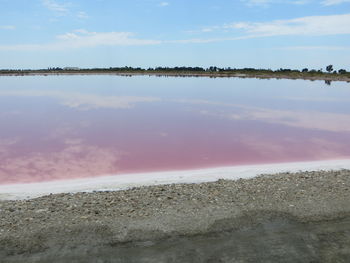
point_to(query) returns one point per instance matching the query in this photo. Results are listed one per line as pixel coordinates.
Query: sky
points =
(147, 33)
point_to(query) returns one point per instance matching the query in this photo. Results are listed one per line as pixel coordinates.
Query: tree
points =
(329, 68)
(341, 71)
(305, 70)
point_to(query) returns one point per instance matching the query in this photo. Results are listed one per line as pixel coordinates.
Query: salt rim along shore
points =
(127, 181)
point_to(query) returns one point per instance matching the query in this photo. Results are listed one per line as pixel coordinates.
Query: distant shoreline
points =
(273, 75)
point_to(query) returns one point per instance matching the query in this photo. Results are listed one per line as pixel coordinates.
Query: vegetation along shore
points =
(309, 74)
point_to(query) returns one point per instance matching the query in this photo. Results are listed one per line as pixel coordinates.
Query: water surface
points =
(60, 127)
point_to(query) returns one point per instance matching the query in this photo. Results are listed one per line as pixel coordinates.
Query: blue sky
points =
(148, 33)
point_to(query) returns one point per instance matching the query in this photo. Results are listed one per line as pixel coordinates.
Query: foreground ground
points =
(302, 217)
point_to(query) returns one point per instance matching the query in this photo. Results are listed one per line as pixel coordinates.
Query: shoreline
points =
(324, 76)
(285, 217)
(126, 181)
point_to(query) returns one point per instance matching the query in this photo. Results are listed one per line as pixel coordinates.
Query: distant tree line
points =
(211, 69)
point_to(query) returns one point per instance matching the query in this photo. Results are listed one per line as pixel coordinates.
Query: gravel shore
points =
(288, 217)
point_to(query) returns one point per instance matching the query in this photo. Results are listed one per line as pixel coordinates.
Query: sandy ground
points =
(288, 217)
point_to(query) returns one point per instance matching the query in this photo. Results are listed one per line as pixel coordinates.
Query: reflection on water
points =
(328, 82)
(81, 126)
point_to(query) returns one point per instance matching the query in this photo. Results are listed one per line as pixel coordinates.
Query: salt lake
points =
(67, 127)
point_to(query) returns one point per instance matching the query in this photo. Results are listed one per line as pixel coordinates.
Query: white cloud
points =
(257, 2)
(315, 48)
(313, 120)
(309, 26)
(319, 148)
(335, 122)
(266, 3)
(83, 38)
(7, 27)
(59, 9)
(62, 9)
(301, 2)
(84, 101)
(82, 15)
(334, 2)
(198, 40)
(164, 3)
(87, 101)
(303, 26)
(74, 159)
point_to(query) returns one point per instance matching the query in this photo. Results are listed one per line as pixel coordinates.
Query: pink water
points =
(84, 126)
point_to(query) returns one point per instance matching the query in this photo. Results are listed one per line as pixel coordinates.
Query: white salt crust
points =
(125, 181)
